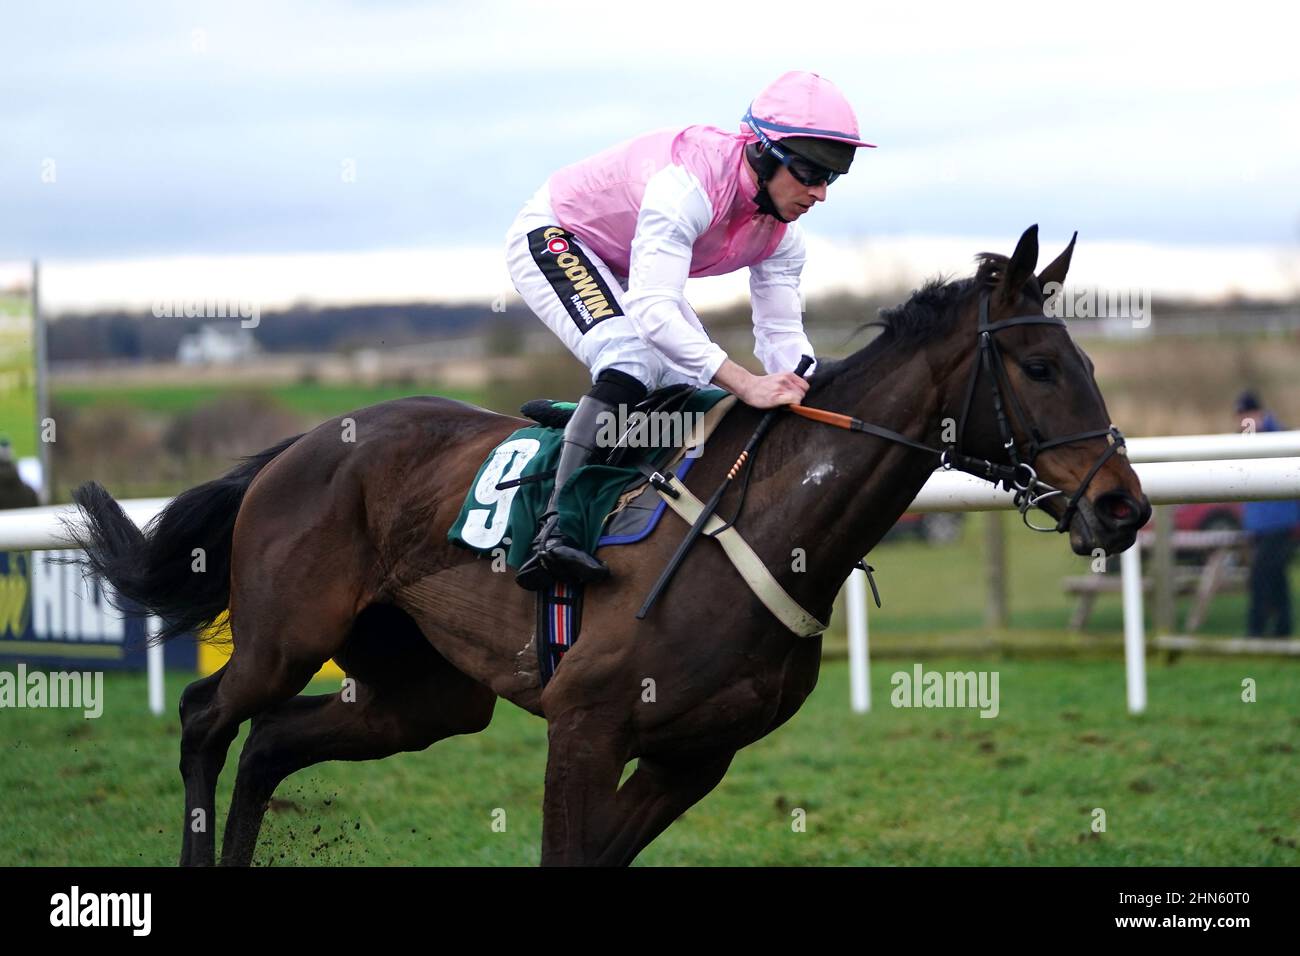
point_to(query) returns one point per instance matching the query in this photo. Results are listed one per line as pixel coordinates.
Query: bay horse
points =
(333, 544)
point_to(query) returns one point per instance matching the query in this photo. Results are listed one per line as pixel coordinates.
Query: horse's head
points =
(1022, 393)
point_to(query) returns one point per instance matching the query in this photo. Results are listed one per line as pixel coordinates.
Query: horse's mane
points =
(928, 313)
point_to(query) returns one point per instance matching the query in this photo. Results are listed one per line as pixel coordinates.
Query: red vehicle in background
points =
(940, 527)
(1218, 516)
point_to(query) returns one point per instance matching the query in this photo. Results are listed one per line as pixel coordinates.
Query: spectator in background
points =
(1271, 525)
(13, 492)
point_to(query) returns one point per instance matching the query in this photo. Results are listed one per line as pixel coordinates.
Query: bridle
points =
(1019, 476)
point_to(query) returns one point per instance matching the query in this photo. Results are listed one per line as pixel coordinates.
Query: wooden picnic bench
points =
(1225, 569)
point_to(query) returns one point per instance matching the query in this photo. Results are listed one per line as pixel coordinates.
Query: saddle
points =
(610, 501)
(514, 483)
(616, 500)
(662, 401)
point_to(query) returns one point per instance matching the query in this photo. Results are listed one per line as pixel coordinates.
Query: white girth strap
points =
(760, 580)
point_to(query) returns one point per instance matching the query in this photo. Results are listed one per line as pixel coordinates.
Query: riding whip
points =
(698, 527)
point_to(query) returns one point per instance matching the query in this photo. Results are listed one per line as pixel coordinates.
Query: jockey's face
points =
(791, 197)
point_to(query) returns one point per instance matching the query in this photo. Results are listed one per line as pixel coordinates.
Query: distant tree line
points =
(141, 336)
(303, 328)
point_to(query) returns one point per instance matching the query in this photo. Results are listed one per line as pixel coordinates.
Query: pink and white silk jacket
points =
(676, 203)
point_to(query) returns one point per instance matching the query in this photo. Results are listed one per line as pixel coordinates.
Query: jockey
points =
(602, 251)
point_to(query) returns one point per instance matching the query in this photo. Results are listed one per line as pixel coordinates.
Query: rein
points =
(1019, 476)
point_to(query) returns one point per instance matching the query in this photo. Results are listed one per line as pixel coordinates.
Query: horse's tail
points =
(154, 568)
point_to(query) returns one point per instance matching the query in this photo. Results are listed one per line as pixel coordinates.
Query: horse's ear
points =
(1020, 269)
(1057, 270)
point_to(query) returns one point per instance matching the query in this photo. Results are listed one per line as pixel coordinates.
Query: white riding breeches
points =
(576, 295)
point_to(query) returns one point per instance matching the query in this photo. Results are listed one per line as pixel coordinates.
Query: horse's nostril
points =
(1120, 509)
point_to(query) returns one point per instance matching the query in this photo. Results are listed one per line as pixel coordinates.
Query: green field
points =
(1202, 779)
(18, 417)
(165, 435)
(314, 399)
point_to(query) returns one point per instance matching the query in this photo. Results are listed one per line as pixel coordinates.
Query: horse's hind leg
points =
(406, 697)
(211, 711)
(203, 752)
(277, 650)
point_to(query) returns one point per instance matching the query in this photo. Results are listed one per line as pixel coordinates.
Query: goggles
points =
(801, 168)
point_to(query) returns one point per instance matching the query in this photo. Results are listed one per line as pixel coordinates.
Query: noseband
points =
(1019, 476)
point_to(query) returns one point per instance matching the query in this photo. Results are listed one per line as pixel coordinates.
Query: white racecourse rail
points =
(1175, 470)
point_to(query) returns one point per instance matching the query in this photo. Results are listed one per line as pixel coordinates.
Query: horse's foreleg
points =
(380, 720)
(654, 796)
(586, 752)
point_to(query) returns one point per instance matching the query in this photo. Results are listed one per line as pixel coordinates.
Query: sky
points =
(177, 132)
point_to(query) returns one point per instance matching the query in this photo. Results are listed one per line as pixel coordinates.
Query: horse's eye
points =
(1038, 371)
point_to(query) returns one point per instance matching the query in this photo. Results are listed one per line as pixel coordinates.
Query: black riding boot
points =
(555, 556)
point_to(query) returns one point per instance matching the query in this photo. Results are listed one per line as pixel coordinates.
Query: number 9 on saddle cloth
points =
(513, 485)
(608, 501)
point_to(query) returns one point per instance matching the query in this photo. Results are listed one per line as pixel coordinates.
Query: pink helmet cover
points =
(799, 103)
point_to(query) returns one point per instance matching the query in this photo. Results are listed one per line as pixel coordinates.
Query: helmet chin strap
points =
(763, 199)
(765, 204)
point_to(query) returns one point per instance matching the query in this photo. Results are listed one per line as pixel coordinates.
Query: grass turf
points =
(1202, 779)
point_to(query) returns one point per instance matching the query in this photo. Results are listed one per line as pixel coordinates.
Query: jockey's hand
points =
(760, 391)
(770, 391)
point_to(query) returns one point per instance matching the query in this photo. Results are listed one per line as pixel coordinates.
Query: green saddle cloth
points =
(507, 518)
